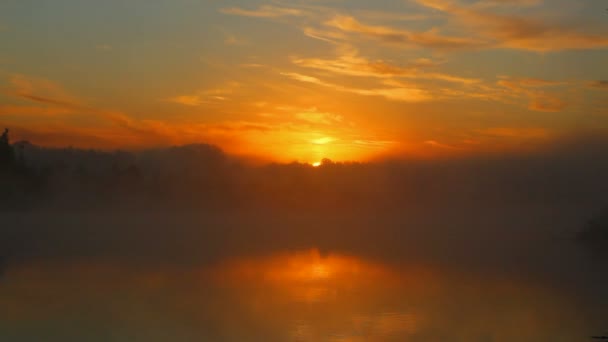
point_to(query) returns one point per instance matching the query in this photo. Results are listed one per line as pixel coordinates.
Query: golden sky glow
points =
(304, 80)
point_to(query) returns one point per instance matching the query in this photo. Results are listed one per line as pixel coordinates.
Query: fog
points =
(187, 207)
(169, 203)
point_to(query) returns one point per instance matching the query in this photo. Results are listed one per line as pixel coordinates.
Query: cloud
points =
(350, 63)
(115, 129)
(234, 40)
(436, 144)
(391, 16)
(532, 34)
(449, 78)
(327, 36)
(518, 32)
(103, 125)
(252, 65)
(397, 94)
(602, 84)
(323, 141)
(428, 39)
(205, 96)
(265, 11)
(513, 132)
(519, 84)
(546, 103)
(481, 25)
(307, 79)
(313, 116)
(187, 100)
(510, 3)
(41, 91)
(353, 66)
(539, 99)
(402, 94)
(33, 111)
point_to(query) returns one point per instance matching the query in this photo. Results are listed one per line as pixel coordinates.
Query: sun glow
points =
(316, 164)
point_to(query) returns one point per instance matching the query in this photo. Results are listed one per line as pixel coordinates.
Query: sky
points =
(302, 80)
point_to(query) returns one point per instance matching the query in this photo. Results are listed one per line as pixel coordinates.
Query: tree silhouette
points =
(7, 153)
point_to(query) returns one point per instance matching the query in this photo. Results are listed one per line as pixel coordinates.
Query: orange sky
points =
(304, 80)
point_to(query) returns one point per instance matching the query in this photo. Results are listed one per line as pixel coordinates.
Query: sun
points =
(316, 164)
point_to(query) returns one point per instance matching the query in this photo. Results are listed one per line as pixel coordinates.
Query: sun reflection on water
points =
(342, 297)
(301, 296)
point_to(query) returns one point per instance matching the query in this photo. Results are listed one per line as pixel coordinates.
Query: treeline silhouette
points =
(18, 183)
(202, 176)
(34, 176)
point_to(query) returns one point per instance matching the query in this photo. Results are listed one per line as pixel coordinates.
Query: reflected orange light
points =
(298, 267)
(334, 282)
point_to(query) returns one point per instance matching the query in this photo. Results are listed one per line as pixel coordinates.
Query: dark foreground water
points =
(126, 279)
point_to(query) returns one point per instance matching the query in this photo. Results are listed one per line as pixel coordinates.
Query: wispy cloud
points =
(546, 103)
(313, 116)
(350, 63)
(234, 40)
(32, 111)
(512, 132)
(481, 25)
(436, 144)
(187, 100)
(402, 94)
(518, 31)
(428, 39)
(265, 11)
(41, 91)
(303, 127)
(328, 36)
(206, 96)
(602, 84)
(534, 89)
(507, 3)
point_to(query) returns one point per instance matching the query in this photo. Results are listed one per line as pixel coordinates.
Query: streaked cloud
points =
(328, 36)
(602, 84)
(519, 31)
(350, 63)
(546, 103)
(534, 89)
(436, 144)
(428, 39)
(205, 96)
(265, 11)
(32, 111)
(315, 116)
(528, 82)
(507, 3)
(187, 100)
(41, 91)
(234, 40)
(402, 94)
(513, 132)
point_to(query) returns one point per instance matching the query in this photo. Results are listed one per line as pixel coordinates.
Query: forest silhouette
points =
(203, 176)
